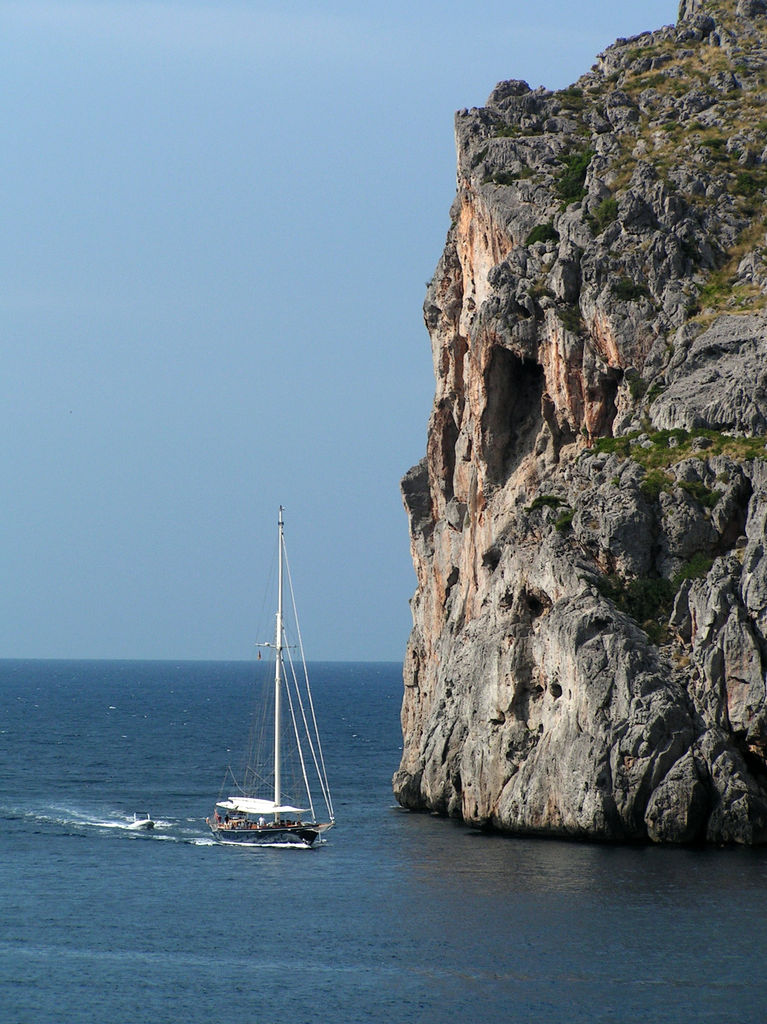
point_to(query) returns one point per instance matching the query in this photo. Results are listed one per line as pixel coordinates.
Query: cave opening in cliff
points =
(513, 417)
(602, 402)
(443, 436)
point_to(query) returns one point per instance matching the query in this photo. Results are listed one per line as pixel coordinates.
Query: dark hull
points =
(268, 835)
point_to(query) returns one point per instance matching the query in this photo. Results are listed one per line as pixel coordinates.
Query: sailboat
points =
(265, 807)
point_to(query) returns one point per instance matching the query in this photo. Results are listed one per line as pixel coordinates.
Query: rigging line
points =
(235, 783)
(267, 592)
(307, 732)
(261, 714)
(323, 782)
(223, 789)
(295, 731)
(321, 775)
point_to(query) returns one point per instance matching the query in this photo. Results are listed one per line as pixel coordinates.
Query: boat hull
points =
(268, 835)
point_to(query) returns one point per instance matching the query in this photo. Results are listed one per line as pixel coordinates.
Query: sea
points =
(396, 918)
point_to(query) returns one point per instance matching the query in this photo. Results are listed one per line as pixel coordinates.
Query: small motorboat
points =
(141, 819)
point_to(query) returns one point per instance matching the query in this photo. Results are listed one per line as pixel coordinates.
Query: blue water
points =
(397, 918)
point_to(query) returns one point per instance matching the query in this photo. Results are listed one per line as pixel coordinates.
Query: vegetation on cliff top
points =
(661, 145)
(665, 448)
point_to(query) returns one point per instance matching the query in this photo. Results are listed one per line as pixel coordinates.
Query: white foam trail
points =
(77, 818)
(174, 830)
(264, 846)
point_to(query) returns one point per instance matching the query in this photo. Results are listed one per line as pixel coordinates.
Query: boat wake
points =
(78, 821)
(263, 846)
(67, 820)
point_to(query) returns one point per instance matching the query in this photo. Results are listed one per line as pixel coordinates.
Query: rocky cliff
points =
(588, 525)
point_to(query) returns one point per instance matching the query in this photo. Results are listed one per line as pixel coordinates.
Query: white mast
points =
(278, 672)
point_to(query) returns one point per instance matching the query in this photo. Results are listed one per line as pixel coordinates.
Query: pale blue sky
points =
(218, 219)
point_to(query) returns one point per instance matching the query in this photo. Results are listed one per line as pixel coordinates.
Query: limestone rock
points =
(721, 380)
(588, 526)
(676, 811)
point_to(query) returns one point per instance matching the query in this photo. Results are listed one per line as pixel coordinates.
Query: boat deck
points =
(243, 832)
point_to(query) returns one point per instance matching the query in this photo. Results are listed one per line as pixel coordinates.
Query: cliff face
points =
(588, 526)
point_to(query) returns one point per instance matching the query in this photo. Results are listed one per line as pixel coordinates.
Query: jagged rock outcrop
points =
(588, 525)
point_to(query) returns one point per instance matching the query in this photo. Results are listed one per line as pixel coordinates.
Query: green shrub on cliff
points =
(629, 291)
(748, 183)
(696, 568)
(671, 446)
(647, 599)
(573, 98)
(542, 233)
(637, 388)
(570, 183)
(702, 494)
(570, 317)
(654, 482)
(565, 521)
(620, 445)
(604, 215)
(545, 501)
(504, 178)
